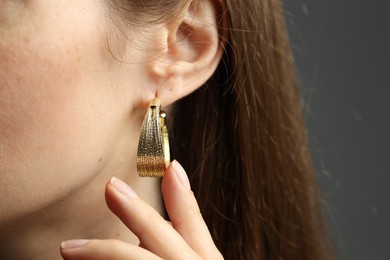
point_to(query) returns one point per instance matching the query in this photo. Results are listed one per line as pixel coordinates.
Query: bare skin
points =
(187, 237)
(70, 116)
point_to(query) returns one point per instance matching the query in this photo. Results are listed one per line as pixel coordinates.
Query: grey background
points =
(341, 50)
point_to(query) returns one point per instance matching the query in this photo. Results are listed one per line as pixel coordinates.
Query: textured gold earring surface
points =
(153, 148)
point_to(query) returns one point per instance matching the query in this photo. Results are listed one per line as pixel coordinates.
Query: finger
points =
(103, 249)
(154, 233)
(183, 211)
(167, 221)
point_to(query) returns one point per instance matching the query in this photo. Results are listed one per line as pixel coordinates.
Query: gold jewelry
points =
(153, 148)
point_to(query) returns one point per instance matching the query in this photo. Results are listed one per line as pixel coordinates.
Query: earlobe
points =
(194, 50)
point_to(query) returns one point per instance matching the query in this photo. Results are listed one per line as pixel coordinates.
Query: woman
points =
(75, 81)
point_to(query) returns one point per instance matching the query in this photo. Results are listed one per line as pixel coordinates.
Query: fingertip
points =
(116, 188)
(109, 192)
(114, 198)
(181, 174)
(75, 243)
(176, 175)
(74, 249)
(167, 179)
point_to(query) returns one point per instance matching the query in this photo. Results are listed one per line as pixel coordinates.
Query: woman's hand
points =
(187, 237)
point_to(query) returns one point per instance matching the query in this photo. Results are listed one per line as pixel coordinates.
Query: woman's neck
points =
(82, 213)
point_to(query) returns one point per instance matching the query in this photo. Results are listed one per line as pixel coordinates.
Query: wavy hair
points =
(242, 140)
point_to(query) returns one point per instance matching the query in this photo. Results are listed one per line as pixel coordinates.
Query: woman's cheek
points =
(51, 121)
(36, 98)
(49, 96)
(10, 11)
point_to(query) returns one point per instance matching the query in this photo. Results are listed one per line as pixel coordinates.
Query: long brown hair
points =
(242, 140)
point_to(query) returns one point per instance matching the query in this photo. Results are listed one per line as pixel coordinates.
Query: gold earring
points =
(153, 148)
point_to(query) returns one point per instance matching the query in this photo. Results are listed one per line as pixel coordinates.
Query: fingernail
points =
(123, 188)
(73, 243)
(181, 174)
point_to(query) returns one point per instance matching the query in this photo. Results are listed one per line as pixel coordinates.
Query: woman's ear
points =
(194, 42)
